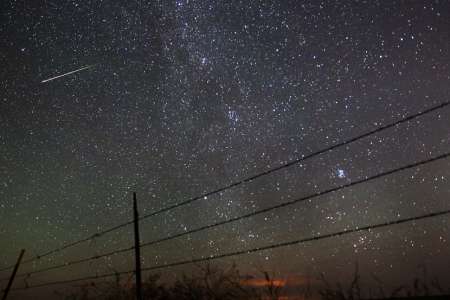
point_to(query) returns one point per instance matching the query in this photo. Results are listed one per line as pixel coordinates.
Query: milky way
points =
(188, 96)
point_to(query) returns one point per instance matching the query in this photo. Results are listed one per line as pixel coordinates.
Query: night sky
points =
(183, 97)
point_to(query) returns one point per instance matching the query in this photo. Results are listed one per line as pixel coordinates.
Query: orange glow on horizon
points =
(260, 282)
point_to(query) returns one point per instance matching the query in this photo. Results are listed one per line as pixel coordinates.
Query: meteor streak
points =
(68, 73)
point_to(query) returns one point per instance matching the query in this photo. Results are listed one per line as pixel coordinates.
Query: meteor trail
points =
(68, 73)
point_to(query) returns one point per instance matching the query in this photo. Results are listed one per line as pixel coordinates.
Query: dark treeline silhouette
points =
(213, 283)
(208, 283)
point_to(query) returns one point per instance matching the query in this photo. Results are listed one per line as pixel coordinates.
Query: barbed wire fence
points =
(235, 184)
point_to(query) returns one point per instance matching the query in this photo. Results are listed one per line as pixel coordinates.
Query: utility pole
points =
(137, 249)
(11, 279)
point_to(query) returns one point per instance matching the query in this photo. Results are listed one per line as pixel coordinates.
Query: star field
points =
(186, 96)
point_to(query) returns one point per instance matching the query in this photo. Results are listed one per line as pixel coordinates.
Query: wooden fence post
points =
(137, 249)
(11, 279)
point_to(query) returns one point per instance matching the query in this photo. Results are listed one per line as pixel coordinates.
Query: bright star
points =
(341, 173)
